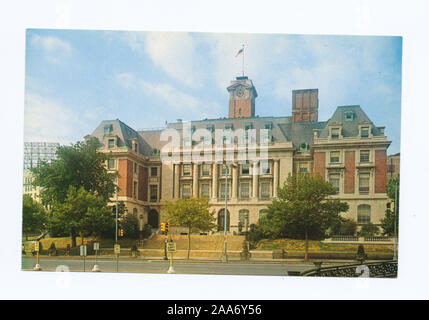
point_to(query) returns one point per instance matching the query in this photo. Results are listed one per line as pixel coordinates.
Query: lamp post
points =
(225, 256)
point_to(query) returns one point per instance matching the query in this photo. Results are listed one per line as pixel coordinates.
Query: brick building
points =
(348, 150)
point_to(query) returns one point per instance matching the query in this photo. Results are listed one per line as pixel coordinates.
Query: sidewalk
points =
(204, 260)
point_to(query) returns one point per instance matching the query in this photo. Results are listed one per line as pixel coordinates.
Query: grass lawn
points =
(292, 245)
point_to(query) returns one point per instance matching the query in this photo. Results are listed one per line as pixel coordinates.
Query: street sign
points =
(171, 246)
(96, 246)
(83, 251)
(117, 249)
(36, 246)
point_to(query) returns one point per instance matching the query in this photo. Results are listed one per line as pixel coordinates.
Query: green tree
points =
(78, 165)
(303, 209)
(81, 213)
(33, 216)
(390, 222)
(192, 213)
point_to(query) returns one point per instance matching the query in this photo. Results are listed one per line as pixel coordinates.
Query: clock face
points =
(240, 93)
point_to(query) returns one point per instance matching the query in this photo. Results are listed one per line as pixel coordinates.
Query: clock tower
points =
(242, 96)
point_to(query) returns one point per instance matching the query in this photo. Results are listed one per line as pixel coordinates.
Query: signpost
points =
(37, 248)
(96, 248)
(117, 250)
(83, 254)
(171, 247)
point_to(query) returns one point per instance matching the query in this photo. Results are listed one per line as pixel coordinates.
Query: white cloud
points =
(174, 52)
(49, 120)
(174, 99)
(50, 44)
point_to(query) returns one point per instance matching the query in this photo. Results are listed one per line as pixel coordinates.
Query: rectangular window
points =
(210, 127)
(364, 156)
(108, 129)
(335, 133)
(248, 126)
(303, 168)
(225, 169)
(244, 190)
(205, 190)
(265, 190)
(223, 189)
(111, 164)
(135, 190)
(245, 169)
(364, 132)
(186, 170)
(186, 191)
(364, 182)
(264, 167)
(111, 143)
(153, 190)
(334, 179)
(154, 171)
(349, 115)
(205, 170)
(268, 125)
(135, 167)
(335, 157)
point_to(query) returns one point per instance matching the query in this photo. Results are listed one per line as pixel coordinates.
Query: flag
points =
(239, 52)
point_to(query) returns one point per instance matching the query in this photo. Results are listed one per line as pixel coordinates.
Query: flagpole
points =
(243, 62)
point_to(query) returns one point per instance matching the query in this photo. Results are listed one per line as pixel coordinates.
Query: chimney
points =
(305, 105)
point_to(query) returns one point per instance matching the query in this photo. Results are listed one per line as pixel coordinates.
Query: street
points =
(159, 266)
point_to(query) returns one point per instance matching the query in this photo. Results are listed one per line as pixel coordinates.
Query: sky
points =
(77, 78)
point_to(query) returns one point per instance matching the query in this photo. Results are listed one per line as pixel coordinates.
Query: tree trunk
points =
(306, 246)
(73, 236)
(189, 241)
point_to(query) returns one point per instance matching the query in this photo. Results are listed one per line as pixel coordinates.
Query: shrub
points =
(147, 231)
(368, 230)
(347, 227)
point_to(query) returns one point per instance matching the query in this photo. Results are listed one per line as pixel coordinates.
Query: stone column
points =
(234, 182)
(176, 181)
(214, 180)
(255, 180)
(275, 177)
(195, 180)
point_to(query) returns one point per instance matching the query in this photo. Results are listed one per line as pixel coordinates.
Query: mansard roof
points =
(283, 130)
(350, 128)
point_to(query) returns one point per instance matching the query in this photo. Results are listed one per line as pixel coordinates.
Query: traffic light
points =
(120, 232)
(167, 226)
(163, 226)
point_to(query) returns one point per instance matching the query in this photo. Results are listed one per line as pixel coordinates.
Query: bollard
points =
(96, 268)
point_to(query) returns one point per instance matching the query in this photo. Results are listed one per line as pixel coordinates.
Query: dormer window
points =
(335, 133)
(268, 125)
(229, 126)
(349, 115)
(108, 129)
(210, 128)
(364, 132)
(248, 126)
(111, 143)
(304, 146)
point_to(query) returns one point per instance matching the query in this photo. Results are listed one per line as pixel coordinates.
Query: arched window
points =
(221, 220)
(364, 213)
